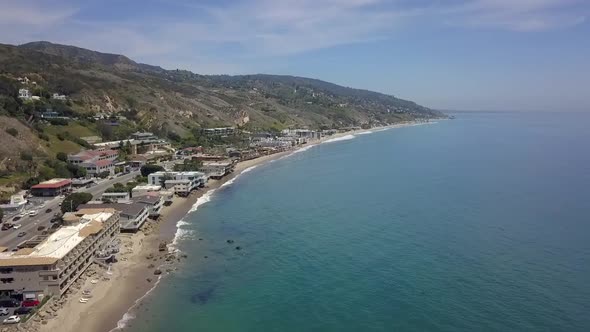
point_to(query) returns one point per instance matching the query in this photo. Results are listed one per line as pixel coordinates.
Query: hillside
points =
(99, 82)
(170, 103)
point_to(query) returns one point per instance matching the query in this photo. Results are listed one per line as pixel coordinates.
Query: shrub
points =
(12, 131)
(62, 156)
(149, 169)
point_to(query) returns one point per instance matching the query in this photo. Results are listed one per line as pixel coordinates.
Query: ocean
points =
(481, 223)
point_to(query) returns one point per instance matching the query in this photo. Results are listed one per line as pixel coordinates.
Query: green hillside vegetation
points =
(111, 96)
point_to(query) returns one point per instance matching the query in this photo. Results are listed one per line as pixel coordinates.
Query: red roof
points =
(103, 163)
(52, 185)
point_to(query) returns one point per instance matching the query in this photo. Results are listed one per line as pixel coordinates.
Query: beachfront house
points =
(132, 215)
(217, 169)
(154, 202)
(49, 265)
(182, 183)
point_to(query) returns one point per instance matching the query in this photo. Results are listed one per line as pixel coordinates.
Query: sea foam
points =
(343, 138)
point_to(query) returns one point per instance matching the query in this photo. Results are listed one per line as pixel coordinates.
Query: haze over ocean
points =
(475, 224)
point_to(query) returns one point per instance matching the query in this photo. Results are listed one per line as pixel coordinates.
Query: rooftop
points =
(58, 244)
(128, 209)
(148, 187)
(53, 183)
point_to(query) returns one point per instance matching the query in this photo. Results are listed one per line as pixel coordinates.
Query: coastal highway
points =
(9, 238)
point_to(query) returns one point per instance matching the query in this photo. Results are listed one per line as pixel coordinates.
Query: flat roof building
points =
(132, 215)
(53, 187)
(51, 264)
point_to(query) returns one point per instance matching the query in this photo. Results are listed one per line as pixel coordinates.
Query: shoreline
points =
(132, 277)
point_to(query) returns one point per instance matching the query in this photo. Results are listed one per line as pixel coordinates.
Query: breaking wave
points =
(343, 138)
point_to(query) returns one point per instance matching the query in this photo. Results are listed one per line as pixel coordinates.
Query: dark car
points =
(40, 228)
(30, 303)
(48, 211)
(21, 234)
(16, 218)
(23, 311)
(9, 303)
(6, 226)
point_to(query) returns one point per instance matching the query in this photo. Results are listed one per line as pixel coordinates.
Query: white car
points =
(17, 226)
(12, 320)
(32, 213)
(4, 311)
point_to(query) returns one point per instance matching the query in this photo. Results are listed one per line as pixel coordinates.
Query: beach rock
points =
(157, 272)
(206, 257)
(149, 256)
(163, 246)
(149, 279)
(184, 255)
(200, 239)
(44, 322)
(230, 241)
(169, 270)
(238, 248)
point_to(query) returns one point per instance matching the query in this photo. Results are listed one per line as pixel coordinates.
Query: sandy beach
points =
(117, 291)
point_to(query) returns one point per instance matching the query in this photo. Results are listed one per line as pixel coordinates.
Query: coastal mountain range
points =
(115, 84)
(128, 96)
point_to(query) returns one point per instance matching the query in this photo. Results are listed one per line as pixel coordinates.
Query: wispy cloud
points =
(223, 31)
(38, 13)
(518, 15)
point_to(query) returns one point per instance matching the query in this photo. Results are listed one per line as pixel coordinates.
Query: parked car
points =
(12, 320)
(21, 234)
(30, 303)
(6, 226)
(48, 211)
(4, 312)
(23, 311)
(8, 302)
(16, 218)
(40, 228)
(17, 226)
(32, 213)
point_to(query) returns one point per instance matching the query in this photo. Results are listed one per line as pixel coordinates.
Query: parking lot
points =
(40, 222)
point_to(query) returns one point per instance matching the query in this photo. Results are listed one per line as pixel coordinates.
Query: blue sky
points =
(447, 54)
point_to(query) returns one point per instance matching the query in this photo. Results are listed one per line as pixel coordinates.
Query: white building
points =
(49, 265)
(143, 190)
(181, 182)
(24, 94)
(154, 202)
(57, 96)
(120, 197)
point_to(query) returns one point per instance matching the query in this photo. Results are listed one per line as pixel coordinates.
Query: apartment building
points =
(49, 265)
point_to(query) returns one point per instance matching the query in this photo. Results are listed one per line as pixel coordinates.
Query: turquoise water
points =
(476, 224)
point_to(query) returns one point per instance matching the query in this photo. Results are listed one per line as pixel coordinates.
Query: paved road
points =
(9, 238)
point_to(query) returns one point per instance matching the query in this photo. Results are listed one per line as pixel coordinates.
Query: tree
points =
(149, 169)
(62, 156)
(104, 174)
(188, 165)
(72, 201)
(30, 182)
